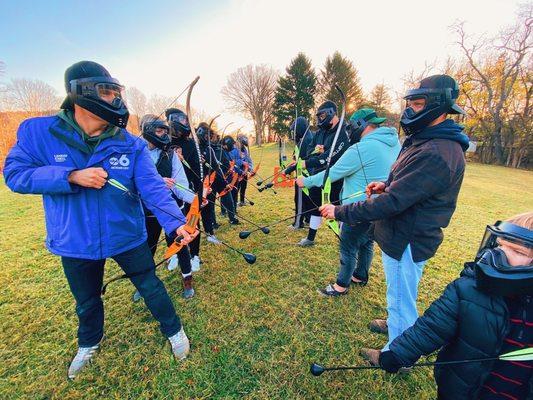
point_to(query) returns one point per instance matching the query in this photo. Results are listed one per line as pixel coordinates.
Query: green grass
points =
(254, 329)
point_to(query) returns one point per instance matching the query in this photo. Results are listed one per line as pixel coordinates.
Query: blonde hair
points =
(525, 220)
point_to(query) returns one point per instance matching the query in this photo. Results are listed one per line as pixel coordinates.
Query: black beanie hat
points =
(80, 70)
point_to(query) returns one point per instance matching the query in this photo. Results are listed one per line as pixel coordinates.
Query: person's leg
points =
(364, 255)
(364, 261)
(352, 238)
(234, 193)
(207, 216)
(150, 287)
(403, 277)
(242, 190)
(227, 205)
(298, 206)
(85, 278)
(315, 195)
(153, 231)
(184, 258)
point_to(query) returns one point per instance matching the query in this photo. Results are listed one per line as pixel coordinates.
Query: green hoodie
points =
(90, 141)
(370, 160)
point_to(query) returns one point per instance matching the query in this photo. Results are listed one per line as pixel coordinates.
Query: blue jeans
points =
(356, 252)
(85, 280)
(402, 278)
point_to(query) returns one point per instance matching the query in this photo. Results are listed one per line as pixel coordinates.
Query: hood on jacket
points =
(447, 129)
(384, 134)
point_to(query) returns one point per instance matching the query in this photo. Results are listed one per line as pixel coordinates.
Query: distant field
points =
(254, 329)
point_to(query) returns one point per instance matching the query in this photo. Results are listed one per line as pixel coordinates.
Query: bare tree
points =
(508, 51)
(157, 104)
(251, 91)
(136, 100)
(32, 95)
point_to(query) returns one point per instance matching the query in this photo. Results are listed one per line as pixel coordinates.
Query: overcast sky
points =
(160, 46)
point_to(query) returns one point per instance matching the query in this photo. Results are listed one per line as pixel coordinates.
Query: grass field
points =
(254, 329)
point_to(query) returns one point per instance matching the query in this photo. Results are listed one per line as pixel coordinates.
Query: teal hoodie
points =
(377, 152)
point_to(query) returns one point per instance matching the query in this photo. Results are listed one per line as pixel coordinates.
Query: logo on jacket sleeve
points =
(121, 162)
(60, 157)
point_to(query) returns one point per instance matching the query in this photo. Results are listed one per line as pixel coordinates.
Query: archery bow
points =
(326, 183)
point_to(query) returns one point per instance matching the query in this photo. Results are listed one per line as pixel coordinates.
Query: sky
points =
(160, 46)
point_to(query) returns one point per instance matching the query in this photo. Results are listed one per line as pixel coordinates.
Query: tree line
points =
(495, 75)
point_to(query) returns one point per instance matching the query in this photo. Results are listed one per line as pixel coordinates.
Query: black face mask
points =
(355, 129)
(149, 133)
(494, 275)
(180, 124)
(102, 96)
(324, 117)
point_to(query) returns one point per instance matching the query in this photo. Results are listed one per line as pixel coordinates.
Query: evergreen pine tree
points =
(294, 94)
(341, 71)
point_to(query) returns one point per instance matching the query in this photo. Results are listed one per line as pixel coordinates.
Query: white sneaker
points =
(81, 359)
(172, 263)
(180, 345)
(213, 239)
(195, 264)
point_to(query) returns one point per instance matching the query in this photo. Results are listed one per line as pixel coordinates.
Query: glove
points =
(389, 362)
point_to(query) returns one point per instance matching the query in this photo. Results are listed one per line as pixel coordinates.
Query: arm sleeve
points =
(348, 164)
(434, 329)
(179, 176)
(152, 188)
(25, 173)
(417, 180)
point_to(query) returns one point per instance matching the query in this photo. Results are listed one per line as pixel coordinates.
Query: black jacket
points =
(190, 154)
(469, 324)
(421, 193)
(314, 163)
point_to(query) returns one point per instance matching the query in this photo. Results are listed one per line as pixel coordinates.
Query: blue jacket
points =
(234, 155)
(83, 222)
(364, 162)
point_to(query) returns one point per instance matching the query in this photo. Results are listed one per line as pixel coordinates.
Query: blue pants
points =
(85, 280)
(402, 278)
(356, 252)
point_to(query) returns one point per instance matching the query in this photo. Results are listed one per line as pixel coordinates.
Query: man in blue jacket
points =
(416, 201)
(67, 158)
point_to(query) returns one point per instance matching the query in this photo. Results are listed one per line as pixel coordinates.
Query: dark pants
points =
(85, 279)
(302, 205)
(153, 229)
(227, 205)
(356, 252)
(208, 213)
(234, 193)
(315, 196)
(242, 189)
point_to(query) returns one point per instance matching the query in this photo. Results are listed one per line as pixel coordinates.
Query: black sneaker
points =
(329, 291)
(235, 222)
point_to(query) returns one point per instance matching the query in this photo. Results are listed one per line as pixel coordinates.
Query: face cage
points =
(180, 119)
(94, 88)
(491, 236)
(326, 112)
